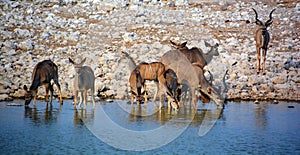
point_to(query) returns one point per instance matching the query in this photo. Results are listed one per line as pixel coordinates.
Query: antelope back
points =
(85, 78)
(177, 61)
(151, 71)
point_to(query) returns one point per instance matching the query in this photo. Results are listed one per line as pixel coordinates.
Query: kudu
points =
(190, 76)
(154, 71)
(262, 39)
(136, 84)
(42, 74)
(83, 81)
(196, 55)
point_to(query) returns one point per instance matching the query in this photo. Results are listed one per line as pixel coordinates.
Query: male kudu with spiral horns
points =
(262, 39)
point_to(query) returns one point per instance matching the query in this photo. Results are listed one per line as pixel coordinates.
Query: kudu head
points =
(179, 45)
(77, 66)
(262, 25)
(208, 90)
(213, 48)
(29, 94)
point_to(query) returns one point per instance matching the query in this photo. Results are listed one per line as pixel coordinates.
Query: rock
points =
(129, 37)
(279, 80)
(22, 34)
(26, 45)
(4, 97)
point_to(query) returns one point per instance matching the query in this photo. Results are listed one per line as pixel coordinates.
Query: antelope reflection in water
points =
(187, 114)
(40, 116)
(261, 115)
(81, 116)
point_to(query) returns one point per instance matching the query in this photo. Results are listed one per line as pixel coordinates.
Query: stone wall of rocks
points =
(100, 29)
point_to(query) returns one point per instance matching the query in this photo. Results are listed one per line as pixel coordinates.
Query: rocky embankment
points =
(100, 29)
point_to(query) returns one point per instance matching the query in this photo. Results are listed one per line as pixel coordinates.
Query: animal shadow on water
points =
(84, 80)
(42, 74)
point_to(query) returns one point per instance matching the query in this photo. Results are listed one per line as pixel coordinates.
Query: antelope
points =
(136, 84)
(176, 61)
(42, 74)
(131, 65)
(209, 91)
(83, 81)
(196, 55)
(154, 71)
(173, 90)
(262, 39)
(190, 76)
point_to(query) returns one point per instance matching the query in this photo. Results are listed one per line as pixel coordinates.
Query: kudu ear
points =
(71, 61)
(183, 44)
(25, 88)
(173, 43)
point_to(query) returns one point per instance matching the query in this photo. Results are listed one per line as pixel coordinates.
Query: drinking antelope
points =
(155, 71)
(190, 76)
(136, 84)
(42, 74)
(262, 38)
(83, 81)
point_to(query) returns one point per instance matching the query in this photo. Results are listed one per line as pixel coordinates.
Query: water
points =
(242, 128)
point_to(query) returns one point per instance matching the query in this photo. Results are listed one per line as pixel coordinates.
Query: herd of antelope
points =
(179, 71)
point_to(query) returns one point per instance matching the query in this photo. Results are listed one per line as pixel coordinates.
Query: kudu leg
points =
(34, 99)
(47, 92)
(132, 98)
(194, 97)
(264, 54)
(75, 98)
(145, 94)
(84, 98)
(80, 98)
(60, 94)
(93, 98)
(51, 93)
(258, 59)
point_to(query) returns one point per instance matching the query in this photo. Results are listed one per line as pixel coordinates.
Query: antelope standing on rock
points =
(262, 38)
(83, 81)
(42, 74)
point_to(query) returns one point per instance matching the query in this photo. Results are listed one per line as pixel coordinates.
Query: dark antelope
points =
(83, 81)
(262, 38)
(42, 74)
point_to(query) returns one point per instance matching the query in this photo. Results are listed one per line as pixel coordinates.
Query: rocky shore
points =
(100, 29)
